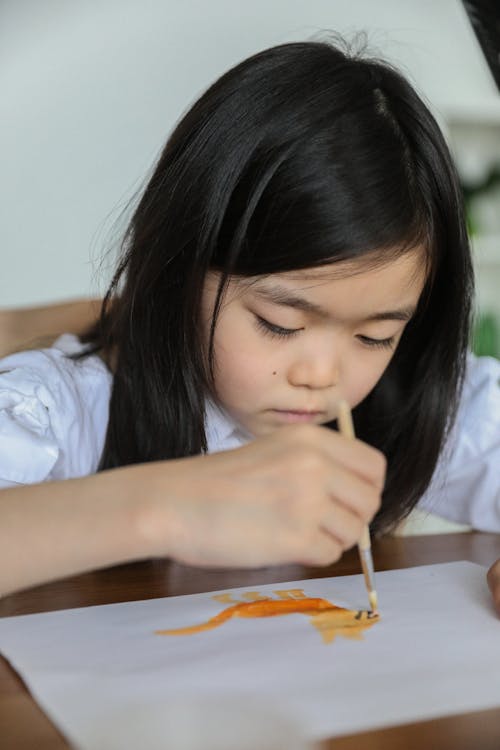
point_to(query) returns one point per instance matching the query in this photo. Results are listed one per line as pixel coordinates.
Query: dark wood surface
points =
(24, 725)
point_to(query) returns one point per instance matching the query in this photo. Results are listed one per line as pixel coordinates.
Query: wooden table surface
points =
(24, 725)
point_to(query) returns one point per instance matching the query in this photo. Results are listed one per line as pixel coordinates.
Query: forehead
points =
(366, 279)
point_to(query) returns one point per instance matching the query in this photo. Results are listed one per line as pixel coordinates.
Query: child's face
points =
(339, 348)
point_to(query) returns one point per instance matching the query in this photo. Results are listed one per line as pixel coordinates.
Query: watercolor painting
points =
(328, 619)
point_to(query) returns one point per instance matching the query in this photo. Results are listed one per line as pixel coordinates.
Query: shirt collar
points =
(221, 429)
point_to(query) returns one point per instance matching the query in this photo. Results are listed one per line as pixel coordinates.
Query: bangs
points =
(296, 223)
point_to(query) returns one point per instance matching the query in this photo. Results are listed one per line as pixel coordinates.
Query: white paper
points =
(435, 651)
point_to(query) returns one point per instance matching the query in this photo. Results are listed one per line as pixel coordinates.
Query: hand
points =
(300, 495)
(493, 578)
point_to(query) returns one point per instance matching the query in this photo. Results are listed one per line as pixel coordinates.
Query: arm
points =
(56, 529)
(19, 327)
(302, 494)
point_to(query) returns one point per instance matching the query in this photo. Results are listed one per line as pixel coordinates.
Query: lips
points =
(310, 412)
(298, 416)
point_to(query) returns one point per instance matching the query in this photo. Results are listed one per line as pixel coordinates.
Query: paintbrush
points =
(364, 546)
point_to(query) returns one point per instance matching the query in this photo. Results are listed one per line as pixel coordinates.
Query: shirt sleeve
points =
(28, 447)
(466, 484)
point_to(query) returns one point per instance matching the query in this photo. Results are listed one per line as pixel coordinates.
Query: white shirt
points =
(54, 415)
(466, 484)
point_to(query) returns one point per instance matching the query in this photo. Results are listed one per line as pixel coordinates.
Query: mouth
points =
(297, 416)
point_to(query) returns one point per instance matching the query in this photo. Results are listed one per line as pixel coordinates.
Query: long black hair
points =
(301, 155)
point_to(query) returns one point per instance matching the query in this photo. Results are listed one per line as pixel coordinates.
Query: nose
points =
(316, 371)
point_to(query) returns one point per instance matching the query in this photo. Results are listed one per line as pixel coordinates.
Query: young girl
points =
(301, 240)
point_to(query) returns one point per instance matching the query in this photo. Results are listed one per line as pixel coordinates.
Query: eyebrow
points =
(280, 295)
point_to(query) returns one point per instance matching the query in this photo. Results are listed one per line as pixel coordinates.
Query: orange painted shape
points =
(347, 622)
(224, 598)
(328, 619)
(253, 596)
(290, 594)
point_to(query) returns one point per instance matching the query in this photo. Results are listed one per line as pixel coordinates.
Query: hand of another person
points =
(300, 495)
(493, 578)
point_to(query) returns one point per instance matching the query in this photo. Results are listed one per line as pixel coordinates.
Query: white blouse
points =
(54, 415)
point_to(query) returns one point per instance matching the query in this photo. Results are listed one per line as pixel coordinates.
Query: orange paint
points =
(326, 617)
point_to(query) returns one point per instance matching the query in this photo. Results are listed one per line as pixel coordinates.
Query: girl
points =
(301, 240)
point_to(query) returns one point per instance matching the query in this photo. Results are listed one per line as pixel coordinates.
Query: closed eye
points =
(377, 343)
(273, 330)
(270, 329)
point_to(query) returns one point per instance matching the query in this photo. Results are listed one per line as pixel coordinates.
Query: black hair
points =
(301, 155)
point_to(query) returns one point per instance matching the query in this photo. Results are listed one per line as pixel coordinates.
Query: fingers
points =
(324, 550)
(359, 458)
(300, 495)
(343, 526)
(356, 494)
(338, 528)
(493, 578)
(316, 527)
(362, 459)
(328, 497)
(312, 473)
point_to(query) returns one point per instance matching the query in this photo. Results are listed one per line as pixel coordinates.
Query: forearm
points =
(57, 529)
(19, 328)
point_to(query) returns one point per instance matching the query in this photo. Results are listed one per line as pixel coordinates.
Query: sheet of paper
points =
(435, 651)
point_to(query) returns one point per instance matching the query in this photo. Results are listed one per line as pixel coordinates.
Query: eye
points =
(272, 330)
(377, 343)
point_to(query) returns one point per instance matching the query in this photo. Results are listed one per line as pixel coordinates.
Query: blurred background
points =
(90, 90)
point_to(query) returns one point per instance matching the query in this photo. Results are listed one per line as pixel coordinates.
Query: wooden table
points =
(23, 724)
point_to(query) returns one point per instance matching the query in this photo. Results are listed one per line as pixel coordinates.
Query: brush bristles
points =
(372, 597)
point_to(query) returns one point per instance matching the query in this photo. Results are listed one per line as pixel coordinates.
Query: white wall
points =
(90, 89)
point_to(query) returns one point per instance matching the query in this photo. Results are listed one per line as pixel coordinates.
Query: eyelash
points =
(377, 343)
(269, 329)
(275, 331)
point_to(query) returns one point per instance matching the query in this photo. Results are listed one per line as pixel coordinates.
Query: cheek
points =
(240, 363)
(362, 378)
